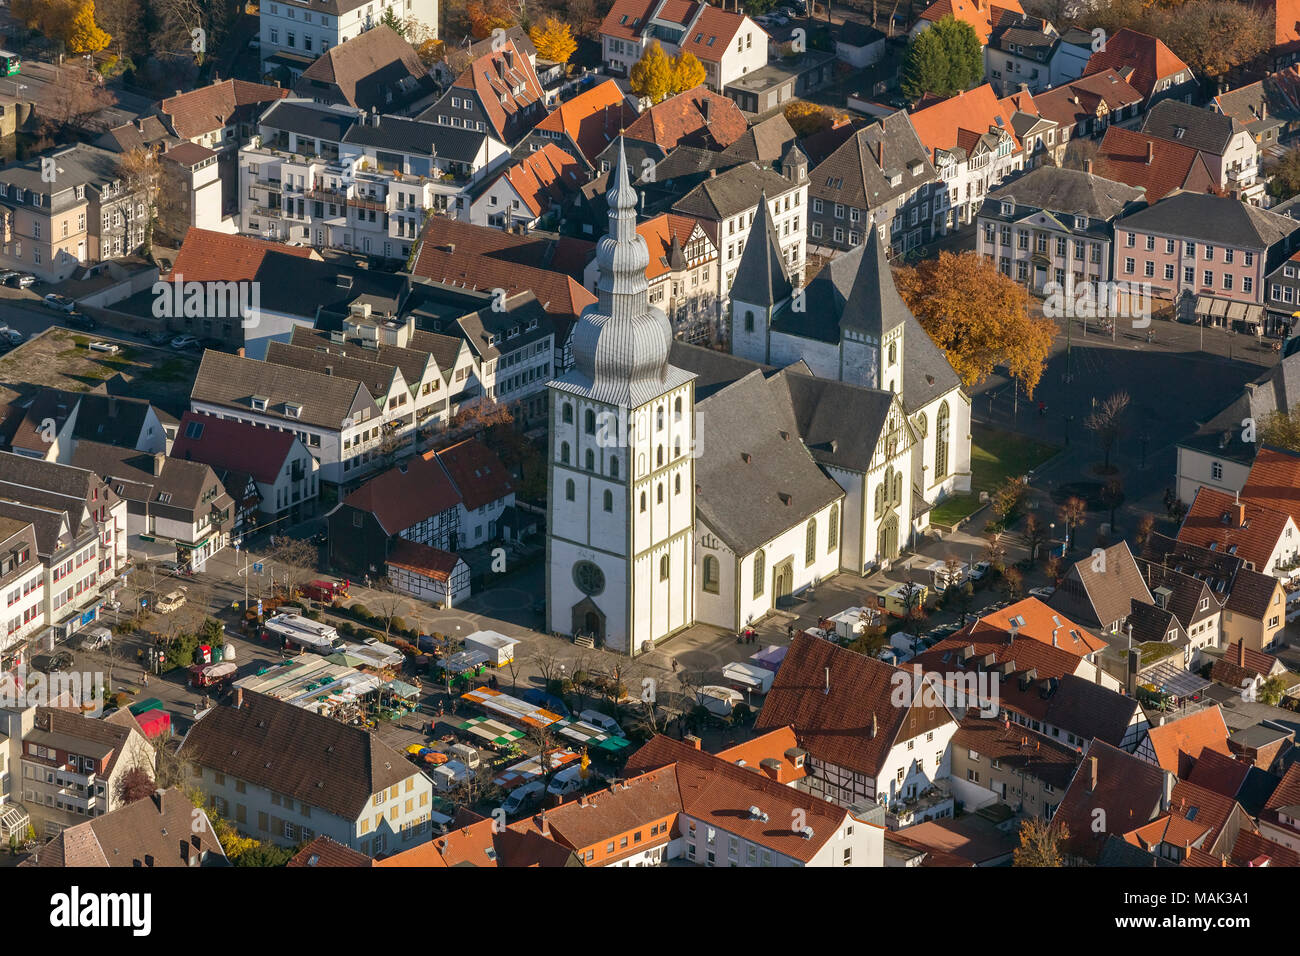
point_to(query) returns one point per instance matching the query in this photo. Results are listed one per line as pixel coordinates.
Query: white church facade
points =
(690, 486)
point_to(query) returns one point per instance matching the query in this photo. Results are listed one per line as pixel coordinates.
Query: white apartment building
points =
(304, 29)
(331, 176)
(728, 44)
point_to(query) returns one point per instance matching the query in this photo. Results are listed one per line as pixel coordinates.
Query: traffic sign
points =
(257, 567)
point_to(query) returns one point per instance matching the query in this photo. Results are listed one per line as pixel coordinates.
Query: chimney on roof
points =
(546, 826)
(713, 174)
(1167, 795)
(827, 688)
(159, 459)
(1092, 774)
(239, 697)
(1151, 152)
(1015, 629)
(157, 797)
(881, 153)
(240, 352)
(1054, 643)
(875, 726)
(1241, 652)
(1087, 166)
(692, 740)
(1239, 513)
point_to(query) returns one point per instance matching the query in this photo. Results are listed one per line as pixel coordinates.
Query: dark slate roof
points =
(411, 361)
(1070, 191)
(232, 381)
(1259, 105)
(404, 135)
(760, 277)
(308, 119)
(156, 831)
(1150, 623)
(856, 290)
(296, 286)
(1216, 219)
(765, 143)
(1275, 390)
(316, 760)
(856, 172)
(752, 436)
(1098, 597)
(377, 377)
(714, 370)
(840, 423)
(187, 482)
(113, 419)
(730, 192)
(1192, 126)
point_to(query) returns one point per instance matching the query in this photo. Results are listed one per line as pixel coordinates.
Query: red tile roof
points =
(1128, 792)
(1148, 58)
(494, 78)
(485, 259)
(1179, 743)
(1274, 481)
(659, 234)
(476, 471)
(543, 177)
(323, 851)
(211, 108)
(1253, 541)
(856, 723)
(1221, 773)
(715, 791)
(1122, 157)
(770, 746)
(592, 119)
(406, 495)
(422, 559)
(680, 121)
(711, 34)
(980, 15)
(959, 120)
(207, 256)
(1255, 849)
(1285, 15)
(468, 843)
(1071, 103)
(1171, 828)
(235, 446)
(626, 17)
(1035, 620)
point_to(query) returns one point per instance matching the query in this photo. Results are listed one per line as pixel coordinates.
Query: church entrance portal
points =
(782, 582)
(588, 620)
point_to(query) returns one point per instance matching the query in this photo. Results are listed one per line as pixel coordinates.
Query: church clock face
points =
(589, 578)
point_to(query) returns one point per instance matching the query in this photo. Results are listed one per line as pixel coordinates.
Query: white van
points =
(719, 701)
(522, 798)
(603, 721)
(95, 637)
(450, 775)
(568, 781)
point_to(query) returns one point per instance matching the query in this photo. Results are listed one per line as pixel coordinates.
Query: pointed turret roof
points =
(620, 343)
(760, 277)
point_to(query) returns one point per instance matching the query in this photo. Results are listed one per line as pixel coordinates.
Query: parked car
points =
(603, 721)
(81, 320)
(170, 602)
(158, 338)
(978, 572)
(95, 637)
(22, 280)
(56, 662)
(1042, 593)
(524, 798)
(10, 337)
(185, 342)
(569, 781)
(60, 302)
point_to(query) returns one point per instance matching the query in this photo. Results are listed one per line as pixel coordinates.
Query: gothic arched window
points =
(941, 442)
(564, 452)
(663, 568)
(589, 421)
(613, 467)
(659, 493)
(712, 574)
(609, 501)
(677, 484)
(749, 321)
(568, 490)
(810, 543)
(760, 562)
(643, 502)
(659, 456)
(677, 409)
(591, 460)
(659, 419)
(833, 532)
(567, 413)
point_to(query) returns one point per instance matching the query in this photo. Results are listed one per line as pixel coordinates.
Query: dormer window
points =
(259, 403)
(1080, 222)
(293, 409)
(1007, 208)
(514, 330)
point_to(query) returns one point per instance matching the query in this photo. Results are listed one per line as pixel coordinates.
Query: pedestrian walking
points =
(1042, 409)
(674, 665)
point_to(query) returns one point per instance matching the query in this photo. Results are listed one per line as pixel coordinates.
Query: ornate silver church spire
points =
(620, 344)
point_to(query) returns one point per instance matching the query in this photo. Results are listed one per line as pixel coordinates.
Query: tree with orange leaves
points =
(488, 15)
(979, 317)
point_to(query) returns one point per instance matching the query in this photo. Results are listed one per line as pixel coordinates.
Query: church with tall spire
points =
(688, 486)
(621, 472)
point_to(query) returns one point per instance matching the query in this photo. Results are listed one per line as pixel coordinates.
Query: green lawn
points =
(995, 456)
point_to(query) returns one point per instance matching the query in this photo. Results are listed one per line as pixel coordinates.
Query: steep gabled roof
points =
(211, 108)
(761, 277)
(1127, 791)
(854, 723)
(1145, 59)
(1274, 481)
(367, 69)
(544, 177)
(1179, 743)
(406, 494)
(1211, 522)
(681, 120)
(226, 444)
(592, 119)
(476, 471)
(979, 15)
(1157, 166)
(961, 119)
(208, 256)
(1078, 100)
